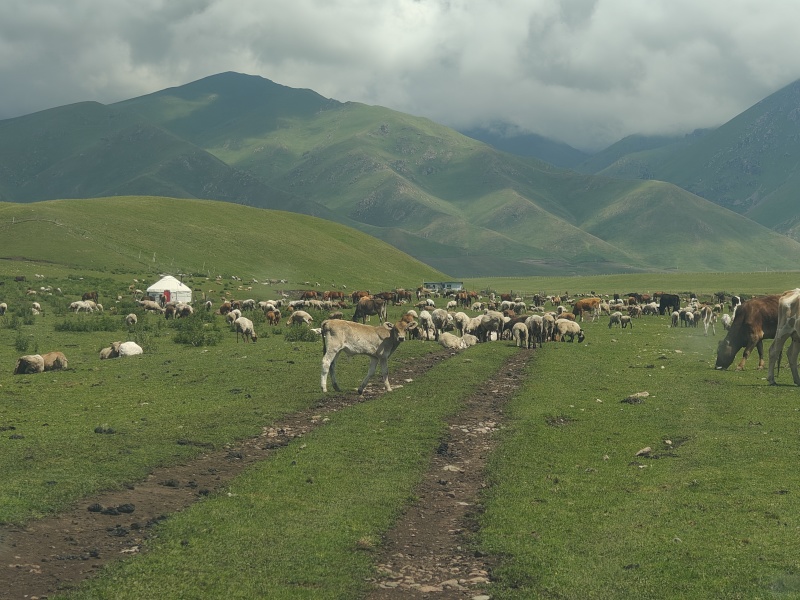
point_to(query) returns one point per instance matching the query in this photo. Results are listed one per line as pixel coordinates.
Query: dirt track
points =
(425, 555)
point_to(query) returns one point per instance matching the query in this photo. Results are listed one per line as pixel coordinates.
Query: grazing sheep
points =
(519, 333)
(131, 320)
(230, 318)
(426, 327)
(28, 364)
(568, 328)
(183, 310)
(675, 316)
(3, 308)
(299, 317)
(535, 326)
(129, 349)
(616, 319)
(54, 361)
(625, 320)
(273, 316)
(245, 327)
(151, 305)
(208, 304)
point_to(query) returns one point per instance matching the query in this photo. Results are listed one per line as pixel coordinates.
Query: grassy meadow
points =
(571, 511)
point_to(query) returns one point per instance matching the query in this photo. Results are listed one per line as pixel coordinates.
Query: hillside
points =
(450, 201)
(153, 235)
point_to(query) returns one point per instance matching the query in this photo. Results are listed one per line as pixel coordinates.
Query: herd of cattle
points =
(505, 316)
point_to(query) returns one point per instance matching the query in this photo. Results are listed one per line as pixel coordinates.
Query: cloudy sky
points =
(586, 72)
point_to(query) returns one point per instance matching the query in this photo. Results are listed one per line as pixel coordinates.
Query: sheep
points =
(230, 318)
(245, 327)
(426, 326)
(273, 317)
(451, 341)
(469, 340)
(625, 320)
(129, 349)
(726, 321)
(299, 317)
(535, 326)
(54, 361)
(567, 327)
(29, 364)
(442, 321)
(3, 308)
(151, 305)
(208, 304)
(674, 318)
(131, 319)
(616, 319)
(183, 310)
(111, 351)
(519, 332)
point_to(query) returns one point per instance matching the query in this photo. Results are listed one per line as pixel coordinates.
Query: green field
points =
(571, 511)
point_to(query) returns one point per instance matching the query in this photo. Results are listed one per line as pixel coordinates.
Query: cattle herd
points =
(469, 318)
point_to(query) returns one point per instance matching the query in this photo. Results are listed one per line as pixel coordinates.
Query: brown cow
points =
(370, 306)
(308, 295)
(591, 305)
(753, 321)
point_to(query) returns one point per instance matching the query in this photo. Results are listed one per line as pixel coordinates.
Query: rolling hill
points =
(139, 234)
(450, 201)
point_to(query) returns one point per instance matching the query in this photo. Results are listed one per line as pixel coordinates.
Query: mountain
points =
(448, 200)
(508, 139)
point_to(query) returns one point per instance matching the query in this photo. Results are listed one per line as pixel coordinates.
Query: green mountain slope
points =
(135, 234)
(451, 201)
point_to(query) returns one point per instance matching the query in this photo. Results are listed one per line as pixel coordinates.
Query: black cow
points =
(669, 301)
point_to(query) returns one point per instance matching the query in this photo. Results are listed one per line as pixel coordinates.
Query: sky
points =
(585, 72)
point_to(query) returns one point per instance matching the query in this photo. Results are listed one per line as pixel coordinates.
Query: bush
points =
(90, 323)
(22, 341)
(300, 333)
(196, 332)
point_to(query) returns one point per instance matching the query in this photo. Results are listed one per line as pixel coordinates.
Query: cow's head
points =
(725, 354)
(398, 330)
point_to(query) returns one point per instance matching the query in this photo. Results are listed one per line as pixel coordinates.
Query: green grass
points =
(712, 512)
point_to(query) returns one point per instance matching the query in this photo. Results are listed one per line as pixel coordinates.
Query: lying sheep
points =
(30, 363)
(451, 341)
(244, 326)
(130, 349)
(54, 361)
(111, 351)
(469, 340)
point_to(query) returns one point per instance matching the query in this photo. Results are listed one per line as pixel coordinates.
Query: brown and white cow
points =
(788, 327)
(753, 322)
(351, 338)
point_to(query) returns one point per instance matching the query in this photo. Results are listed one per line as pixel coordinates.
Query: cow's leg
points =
(791, 354)
(385, 371)
(373, 362)
(329, 365)
(775, 352)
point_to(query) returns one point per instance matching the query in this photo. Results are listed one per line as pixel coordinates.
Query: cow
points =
(753, 321)
(90, 296)
(354, 338)
(788, 327)
(370, 306)
(669, 301)
(591, 305)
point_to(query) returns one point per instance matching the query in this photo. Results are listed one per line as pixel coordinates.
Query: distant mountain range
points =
(464, 207)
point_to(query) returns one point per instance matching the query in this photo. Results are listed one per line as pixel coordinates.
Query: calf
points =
(355, 338)
(753, 322)
(788, 327)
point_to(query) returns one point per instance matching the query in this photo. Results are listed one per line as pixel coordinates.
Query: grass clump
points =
(300, 333)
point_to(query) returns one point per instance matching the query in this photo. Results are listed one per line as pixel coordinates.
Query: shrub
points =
(196, 332)
(90, 323)
(300, 333)
(22, 341)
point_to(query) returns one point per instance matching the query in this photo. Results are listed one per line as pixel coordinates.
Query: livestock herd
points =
(499, 317)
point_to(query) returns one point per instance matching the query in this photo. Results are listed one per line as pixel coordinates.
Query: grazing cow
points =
(753, 321)
(370, 306)
(788, 327)
(669, 301)
(590, 305)
(354, 338)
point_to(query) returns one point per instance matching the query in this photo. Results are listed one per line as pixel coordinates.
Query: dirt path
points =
(428, 553)
(422, 552)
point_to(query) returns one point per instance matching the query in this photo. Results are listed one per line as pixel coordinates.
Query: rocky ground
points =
(426, 555)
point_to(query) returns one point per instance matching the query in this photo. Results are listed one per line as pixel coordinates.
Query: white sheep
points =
(3, 308)
(426, 326)
(625, 320)
(28, 364)
(129, 349)
(616, 319)
(131, 319)
(568, 328)
(451, 341)
(299, 317)
(519, 333)
(245, 326)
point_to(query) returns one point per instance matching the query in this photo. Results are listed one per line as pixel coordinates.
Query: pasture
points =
(570, 510)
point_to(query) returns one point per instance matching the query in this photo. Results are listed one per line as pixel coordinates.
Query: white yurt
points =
(169, 289)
